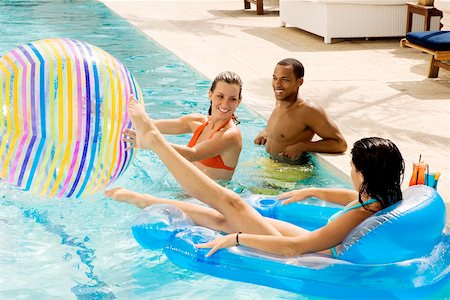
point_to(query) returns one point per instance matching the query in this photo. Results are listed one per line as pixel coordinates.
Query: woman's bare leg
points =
(238, 214)
(203, 216)
(287, 229)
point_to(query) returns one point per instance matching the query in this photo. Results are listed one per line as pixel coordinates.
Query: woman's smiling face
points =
(224, 99)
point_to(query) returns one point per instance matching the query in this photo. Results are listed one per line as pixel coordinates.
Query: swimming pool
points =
(84, 248)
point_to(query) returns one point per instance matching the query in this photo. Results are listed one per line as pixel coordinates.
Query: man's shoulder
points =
(307, 107)
(301, 108)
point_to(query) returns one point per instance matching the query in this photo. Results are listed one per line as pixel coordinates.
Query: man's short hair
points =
(299, 70)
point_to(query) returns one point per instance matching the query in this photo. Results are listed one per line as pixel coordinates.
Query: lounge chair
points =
(259, 6)
(436, 43)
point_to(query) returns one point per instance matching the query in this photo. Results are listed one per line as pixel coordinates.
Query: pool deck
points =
(369, 87)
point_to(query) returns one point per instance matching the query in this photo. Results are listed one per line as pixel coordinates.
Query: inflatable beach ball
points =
(62, 113)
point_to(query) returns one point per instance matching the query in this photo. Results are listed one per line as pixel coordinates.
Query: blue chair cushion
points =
(405, 230)
(434, 40)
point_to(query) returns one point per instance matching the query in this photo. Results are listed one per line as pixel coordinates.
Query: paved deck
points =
(370, 88)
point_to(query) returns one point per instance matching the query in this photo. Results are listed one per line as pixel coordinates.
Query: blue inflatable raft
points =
(405, 247)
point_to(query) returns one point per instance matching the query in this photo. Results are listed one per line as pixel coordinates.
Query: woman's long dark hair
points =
(230, 78)
(382, 167)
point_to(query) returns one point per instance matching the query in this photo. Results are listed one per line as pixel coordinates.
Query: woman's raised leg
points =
(238, 214)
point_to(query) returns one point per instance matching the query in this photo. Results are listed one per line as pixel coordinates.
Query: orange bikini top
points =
(215, 162)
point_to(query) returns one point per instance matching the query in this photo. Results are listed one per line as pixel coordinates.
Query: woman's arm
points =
(321, 239)
(181, 125)
(338, 196)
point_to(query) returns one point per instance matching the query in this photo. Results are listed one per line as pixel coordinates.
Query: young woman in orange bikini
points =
(217, 142)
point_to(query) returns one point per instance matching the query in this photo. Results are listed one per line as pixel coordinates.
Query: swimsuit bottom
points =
(303, 159)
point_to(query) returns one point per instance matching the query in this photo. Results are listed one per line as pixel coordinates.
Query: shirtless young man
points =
(294, 121)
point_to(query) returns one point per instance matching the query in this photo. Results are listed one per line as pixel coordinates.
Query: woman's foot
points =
(146, 131)
(123, 195)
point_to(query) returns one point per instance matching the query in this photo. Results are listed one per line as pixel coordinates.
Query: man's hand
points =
(293, 151)
(261, 138)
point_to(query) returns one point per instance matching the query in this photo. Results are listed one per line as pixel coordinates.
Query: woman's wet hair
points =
(230, 78)
(299, 70)
(381, 165)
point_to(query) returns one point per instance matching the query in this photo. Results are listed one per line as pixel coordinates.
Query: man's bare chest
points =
(285, 127)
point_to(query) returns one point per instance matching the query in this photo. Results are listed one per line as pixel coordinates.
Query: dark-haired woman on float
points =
(376, 171)
(217, 142)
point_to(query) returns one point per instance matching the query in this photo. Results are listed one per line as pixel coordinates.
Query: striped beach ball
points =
(62, 112)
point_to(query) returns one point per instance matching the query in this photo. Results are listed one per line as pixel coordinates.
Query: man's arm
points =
(325, 145)
(261, 138)
(332, 140)
(317, 120)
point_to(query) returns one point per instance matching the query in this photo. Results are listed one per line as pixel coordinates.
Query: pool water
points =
(83, 248)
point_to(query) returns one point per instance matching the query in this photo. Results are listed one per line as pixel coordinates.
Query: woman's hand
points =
(129, 136)
(295, 196)
(225, 241)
